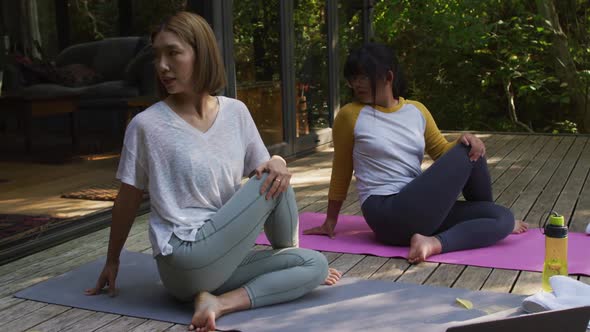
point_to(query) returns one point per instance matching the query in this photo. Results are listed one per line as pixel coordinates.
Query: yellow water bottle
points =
(555, 249)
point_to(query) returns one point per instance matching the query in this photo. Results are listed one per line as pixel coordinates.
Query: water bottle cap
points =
(556, 220)
(556, 227)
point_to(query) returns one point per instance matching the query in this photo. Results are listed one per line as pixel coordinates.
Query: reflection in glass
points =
(92, 20)
(257, 52)
(147, 14)
(311, 65)
(350, 35)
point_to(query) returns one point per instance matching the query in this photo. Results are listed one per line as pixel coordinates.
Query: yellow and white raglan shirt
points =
(384, 147)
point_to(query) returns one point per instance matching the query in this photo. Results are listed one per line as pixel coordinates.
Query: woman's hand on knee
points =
(107, 277)
(478, 149)
(278, 179)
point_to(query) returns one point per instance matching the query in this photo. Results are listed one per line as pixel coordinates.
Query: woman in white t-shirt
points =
(190, 151)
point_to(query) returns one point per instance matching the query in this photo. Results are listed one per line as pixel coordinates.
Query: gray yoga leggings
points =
(221, 258)
(428, 206)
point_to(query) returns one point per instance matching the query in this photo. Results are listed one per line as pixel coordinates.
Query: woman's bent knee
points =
(507, 220)
(317, 263)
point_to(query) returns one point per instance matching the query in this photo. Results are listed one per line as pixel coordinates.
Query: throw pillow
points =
(77, 75)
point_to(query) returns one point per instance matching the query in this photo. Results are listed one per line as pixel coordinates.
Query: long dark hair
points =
(375, 60)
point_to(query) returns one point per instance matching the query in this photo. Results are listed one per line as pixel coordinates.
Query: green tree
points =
(490, 64)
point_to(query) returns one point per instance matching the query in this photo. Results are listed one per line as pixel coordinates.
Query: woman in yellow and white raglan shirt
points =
(382, 137)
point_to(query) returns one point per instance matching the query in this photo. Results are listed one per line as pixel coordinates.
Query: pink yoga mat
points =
(517, 252)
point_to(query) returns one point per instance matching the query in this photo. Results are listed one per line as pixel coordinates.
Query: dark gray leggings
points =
(428, 205)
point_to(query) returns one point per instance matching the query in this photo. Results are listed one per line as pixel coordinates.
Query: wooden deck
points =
(36, 189)
(532, 174)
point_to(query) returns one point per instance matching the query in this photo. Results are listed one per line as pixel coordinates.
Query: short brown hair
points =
(209, 72)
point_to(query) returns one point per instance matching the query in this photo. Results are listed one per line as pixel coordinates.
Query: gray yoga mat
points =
(353, 303)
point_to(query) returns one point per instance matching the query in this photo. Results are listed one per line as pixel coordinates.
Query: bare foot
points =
(520, 227)
(207, 308)
(422, 247)
(333, 277)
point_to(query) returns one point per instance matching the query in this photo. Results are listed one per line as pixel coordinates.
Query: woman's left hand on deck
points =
(107, 277)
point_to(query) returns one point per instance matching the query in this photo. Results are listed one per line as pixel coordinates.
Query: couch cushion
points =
(133, 71)
(106, 90)
(141, 72)
(77, 75)
(79, 53)
(111, 89)
(50, 90)
(113, 55)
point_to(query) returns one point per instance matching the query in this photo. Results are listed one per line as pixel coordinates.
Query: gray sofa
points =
(124, 65)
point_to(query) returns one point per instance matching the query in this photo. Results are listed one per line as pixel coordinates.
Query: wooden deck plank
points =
(366, 267)
(529, 195)
(90, 323)
(63, 320)
(524, 168)
(9, 301)
(510, 158)
(419, 273)
(566, 202)
(122, 324)
(391, 270)
(331, 256)
(345, 262)
(496, 146)
(51, 267)
(473, 278)
(445, 275)
(65, 251)
(177, 328)
(509, 196)
(35, 189)
(527, 283)
(546, 201)
(581, 214)
(153, 326)
(519, 166)
(17, 311)
(35, 317)
(49, 271)
(500, 281)
(76, 244)
(320, 200)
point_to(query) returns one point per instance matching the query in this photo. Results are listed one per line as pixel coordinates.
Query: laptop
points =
(568, 320)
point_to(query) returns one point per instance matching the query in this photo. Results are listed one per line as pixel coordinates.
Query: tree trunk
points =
(565, 68)
(512, 107)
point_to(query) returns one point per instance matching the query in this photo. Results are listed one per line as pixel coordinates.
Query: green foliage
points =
(257, 40)
(350, 35)
(92, 20)
(98, 19)
(311, 58)
(148, 14)
(459, 57)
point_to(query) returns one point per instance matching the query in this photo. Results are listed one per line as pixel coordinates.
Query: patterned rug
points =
(101, 192)
(15, 227)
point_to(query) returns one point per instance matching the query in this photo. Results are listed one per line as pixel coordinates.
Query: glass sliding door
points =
(350, 36)
(257, 56)
(311, 70)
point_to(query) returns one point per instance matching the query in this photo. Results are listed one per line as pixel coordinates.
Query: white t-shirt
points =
(189, 174)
